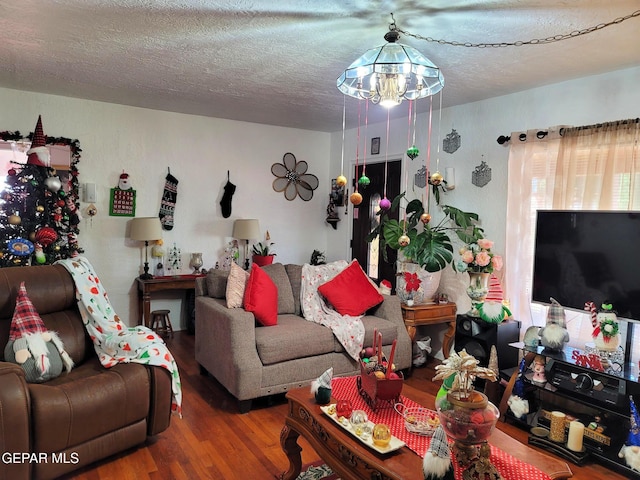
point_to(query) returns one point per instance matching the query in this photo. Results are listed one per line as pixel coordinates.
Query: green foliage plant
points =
(430, 245)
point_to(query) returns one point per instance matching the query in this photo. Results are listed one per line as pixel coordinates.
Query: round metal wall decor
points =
(292, 178)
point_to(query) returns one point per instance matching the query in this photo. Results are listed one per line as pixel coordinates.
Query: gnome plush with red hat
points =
(38, 154)
(37, 350)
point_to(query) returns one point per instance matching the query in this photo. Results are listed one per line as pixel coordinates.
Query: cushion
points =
(351, 292)
(289, 340)
(278, 274)
(235, 286)
(261, 297)
(217, 283)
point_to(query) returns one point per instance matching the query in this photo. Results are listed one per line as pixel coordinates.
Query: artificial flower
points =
(412, 282)
(478, 258)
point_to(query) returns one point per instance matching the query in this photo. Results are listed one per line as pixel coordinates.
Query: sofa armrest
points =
(15, 420)
(160, 400)
(390, 309)
(225, 346)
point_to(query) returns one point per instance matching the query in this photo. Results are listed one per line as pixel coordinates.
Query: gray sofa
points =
(253, 361)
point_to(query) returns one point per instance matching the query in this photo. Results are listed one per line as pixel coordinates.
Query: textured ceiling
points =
(276, 62)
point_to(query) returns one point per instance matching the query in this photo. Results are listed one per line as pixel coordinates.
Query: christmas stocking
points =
(168, 203)
(225, 203)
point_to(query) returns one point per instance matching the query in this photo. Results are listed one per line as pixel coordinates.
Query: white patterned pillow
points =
(235, 286)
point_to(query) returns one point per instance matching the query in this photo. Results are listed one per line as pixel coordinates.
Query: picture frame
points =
(375, 145)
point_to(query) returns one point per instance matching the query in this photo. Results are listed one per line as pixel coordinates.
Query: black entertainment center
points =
(580, 257)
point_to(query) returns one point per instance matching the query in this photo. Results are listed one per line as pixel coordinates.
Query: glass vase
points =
(477, 290)
(196, 262)
(429, 283)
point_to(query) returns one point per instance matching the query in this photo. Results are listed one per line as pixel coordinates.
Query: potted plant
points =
(421, 242)
(418, 239)
(262, 254)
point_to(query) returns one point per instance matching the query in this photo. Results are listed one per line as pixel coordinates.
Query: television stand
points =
(597, 398)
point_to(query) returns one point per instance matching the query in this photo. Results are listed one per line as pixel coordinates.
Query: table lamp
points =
(246, 229)
(146, 229)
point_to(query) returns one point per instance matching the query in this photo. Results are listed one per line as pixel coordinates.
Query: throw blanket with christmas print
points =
(113, 341)
(347, 329)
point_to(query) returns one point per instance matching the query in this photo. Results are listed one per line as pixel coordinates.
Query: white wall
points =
(199, 151)
(588, 100)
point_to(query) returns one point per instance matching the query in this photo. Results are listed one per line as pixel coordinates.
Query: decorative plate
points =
(393, 445)
(21, 247)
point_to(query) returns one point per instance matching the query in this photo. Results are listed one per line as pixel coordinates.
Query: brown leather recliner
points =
(49, 429)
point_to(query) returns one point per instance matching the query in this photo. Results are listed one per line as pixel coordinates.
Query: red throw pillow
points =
(351, 292)
(261, 297)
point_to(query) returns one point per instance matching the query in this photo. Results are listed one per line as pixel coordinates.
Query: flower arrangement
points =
(477, 257)
(464, 369)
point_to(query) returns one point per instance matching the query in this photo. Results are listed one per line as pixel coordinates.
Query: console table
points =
(431, 314)
(158, 284)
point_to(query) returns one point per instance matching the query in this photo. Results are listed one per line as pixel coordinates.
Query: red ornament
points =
(11, 172)
(46, 236)
(60, 203)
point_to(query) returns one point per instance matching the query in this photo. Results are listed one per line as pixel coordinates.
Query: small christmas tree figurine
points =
(174, 260)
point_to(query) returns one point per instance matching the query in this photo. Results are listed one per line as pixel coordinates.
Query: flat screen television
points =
(583, 256)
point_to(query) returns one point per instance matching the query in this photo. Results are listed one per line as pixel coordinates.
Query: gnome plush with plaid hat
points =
(630, 451)
(554, 334)
(436, 464)
(37, 350)
(38, 154)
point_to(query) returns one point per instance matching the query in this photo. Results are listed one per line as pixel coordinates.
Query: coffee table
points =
(351, 460)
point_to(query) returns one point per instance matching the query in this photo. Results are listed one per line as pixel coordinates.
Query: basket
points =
(418, 420)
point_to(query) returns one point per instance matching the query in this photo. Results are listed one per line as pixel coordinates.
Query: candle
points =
(390, 362)
(556, 432)
(576, 435)
(375, 340)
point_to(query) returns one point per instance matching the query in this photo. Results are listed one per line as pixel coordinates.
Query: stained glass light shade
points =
(390, 73)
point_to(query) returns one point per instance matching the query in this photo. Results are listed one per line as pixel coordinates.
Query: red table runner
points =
(509, 467)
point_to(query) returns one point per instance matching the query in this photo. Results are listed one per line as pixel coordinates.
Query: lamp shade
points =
(145, 229)
(246, 229)
(390, 73)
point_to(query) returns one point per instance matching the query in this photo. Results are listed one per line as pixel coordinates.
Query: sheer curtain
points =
(586, 168)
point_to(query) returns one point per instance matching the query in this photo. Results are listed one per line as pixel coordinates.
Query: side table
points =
(431, 314)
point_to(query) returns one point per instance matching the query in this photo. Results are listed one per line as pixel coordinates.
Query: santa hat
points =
(38, 154)
(25, 317)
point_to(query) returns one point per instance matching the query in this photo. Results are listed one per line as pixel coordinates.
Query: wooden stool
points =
(161, 323)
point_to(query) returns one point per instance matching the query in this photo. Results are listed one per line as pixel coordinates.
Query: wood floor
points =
(213, 441)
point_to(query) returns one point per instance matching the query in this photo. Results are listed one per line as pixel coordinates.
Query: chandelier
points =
(391, 73)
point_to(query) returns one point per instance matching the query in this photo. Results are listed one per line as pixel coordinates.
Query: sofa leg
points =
(244, 406)
(203, 371)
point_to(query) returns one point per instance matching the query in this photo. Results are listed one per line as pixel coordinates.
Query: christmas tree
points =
(39, 213)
